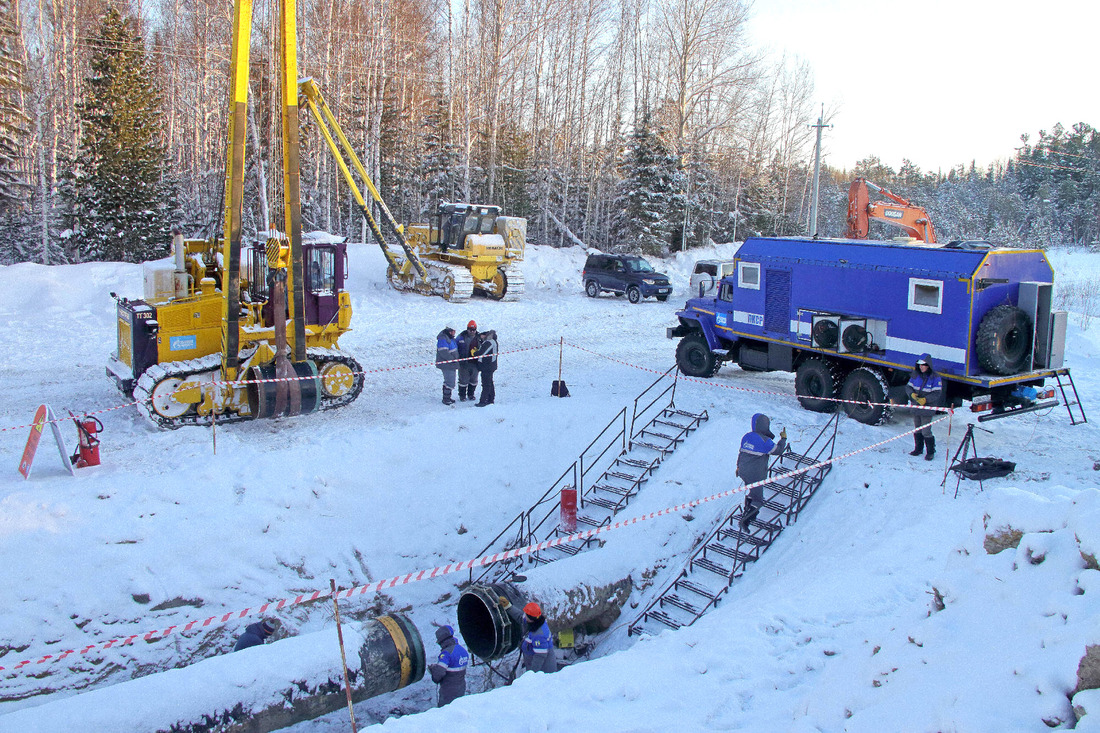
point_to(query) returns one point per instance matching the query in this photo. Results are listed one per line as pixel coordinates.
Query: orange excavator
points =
(897, 212)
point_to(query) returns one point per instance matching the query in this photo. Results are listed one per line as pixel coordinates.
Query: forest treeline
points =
(644, 125)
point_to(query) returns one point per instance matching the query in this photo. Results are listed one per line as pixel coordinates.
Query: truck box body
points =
(881, 305)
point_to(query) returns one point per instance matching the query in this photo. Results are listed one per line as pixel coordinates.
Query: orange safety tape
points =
(436, 572)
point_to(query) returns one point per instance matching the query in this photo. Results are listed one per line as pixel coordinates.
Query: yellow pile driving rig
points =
(238, 332)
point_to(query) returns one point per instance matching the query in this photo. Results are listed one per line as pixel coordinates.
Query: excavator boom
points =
(896, 211)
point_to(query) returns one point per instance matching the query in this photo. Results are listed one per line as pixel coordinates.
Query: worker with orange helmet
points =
(537, 646)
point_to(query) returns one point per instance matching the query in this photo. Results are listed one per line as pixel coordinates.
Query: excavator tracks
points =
(452, 282)
(514, 284)
(157, 383)
(341, 379)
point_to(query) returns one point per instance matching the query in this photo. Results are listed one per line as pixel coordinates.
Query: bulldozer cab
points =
(456, 221)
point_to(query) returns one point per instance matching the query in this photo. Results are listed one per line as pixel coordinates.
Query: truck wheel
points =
(633, 294)
(861, 386)
(592, 289)
(1004, 340)
(816, 378)
(695, 358)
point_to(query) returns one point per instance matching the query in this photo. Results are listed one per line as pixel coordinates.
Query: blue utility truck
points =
(851, 317)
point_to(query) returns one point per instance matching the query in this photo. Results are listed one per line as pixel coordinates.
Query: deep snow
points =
(835, 628)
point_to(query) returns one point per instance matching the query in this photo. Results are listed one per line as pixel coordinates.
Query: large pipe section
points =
(263, 688)
(490, 633)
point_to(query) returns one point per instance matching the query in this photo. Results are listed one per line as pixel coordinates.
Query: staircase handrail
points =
(834, 421)
(672, 401)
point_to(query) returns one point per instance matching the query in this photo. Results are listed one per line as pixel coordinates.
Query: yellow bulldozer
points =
(231, 331)
(463, 248)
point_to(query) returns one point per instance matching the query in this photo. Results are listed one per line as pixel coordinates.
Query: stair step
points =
(663, 618)
(678, 602)
(676, 425)
(769, 526)
(661, 449)
(637, 463)
(620, 490)
(776, 506)
(745, 537)
(685, 413)
(708, 564)
(627, 476)
(568, 549)
(583, 519)
(697, 589)
(655, 434)
(730, 552)
(605, 503)
(781, 489)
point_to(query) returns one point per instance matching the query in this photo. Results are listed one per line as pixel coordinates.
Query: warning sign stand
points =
(43, 415)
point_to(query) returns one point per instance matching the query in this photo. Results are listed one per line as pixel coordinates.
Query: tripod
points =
(966, 446)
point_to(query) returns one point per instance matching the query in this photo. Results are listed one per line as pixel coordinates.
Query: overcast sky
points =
(940, 82)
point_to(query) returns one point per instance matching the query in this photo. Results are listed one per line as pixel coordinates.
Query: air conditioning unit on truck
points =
(850, 318)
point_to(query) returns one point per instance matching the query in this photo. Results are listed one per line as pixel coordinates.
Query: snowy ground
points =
(835, 628)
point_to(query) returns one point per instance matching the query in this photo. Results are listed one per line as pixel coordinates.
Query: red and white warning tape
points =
(241, 382)
(720, 385)
(429, 574)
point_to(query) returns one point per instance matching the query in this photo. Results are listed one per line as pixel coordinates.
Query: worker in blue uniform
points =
(449, 670)
(757, 448)
(925, 389)
(536, 648)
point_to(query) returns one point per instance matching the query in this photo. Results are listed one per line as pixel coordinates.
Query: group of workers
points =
(462, 357)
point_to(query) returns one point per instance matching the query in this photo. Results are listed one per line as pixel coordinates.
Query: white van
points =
(706, 275)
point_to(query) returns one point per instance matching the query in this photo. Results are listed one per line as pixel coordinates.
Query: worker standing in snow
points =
(449, 670)
(486, 352)
(925, 389)
(757, 448)
(467, 370)
(537, 646)
(446, 351)
(256, 634)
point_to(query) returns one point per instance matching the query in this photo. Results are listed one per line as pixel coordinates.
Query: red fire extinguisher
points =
(87, 453)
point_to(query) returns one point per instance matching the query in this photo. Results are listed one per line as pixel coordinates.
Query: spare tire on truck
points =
(1004, 340)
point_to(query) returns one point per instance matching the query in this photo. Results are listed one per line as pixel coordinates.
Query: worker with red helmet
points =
(537, 646)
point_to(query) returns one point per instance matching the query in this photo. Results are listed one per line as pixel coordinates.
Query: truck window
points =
(748, 275)
(925, 295)
(706, 269)
(725, 292)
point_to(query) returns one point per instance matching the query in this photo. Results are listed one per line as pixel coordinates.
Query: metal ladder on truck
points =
(1059, 374)
(640, 452)
(726, 552)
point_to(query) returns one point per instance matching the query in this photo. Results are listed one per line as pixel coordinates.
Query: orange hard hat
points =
(471, 324)
(532, 609)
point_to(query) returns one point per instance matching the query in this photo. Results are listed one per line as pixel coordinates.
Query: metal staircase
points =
(640, 451)
(1064, 380)
(725, 553)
